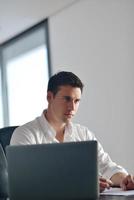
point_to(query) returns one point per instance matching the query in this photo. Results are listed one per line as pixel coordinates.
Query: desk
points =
(116, 197)
(104, 198)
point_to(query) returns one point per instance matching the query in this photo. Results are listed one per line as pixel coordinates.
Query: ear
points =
(49, 96)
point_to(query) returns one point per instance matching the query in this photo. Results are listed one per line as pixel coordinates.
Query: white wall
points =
(95, 40)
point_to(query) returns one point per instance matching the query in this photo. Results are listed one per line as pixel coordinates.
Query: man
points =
(54, 125)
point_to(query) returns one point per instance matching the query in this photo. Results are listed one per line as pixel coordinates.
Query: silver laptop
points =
(53, 171)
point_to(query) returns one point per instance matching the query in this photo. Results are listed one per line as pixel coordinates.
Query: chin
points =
(67, 120)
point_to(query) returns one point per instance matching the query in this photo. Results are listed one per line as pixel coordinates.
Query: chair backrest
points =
(5, 135)
(3, 174)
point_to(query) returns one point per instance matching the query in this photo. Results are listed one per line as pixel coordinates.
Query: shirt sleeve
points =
(22, 136)
(107, 168)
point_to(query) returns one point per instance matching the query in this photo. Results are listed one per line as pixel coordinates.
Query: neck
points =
(58, 126)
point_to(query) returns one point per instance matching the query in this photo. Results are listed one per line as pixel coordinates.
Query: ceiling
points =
(16, 16)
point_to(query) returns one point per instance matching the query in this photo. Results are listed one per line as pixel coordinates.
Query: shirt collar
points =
(49, 130)
(46, 125)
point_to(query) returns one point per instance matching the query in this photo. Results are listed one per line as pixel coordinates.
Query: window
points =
(1, 114)
(25, 75)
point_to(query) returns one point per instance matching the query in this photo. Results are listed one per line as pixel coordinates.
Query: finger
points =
(130, 178)
(102, 189)
(133, 179)
(105, 184)
(130, 186)
(123, 183)
(130, 182)
(123, 186)
(106, 180)
(127, 182)
(110, 182)
(102, 179)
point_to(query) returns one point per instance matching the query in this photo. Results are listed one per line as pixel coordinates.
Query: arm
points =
(110, 170)
(117, 178)
(22, 136)
(104, 183)
(126, 182)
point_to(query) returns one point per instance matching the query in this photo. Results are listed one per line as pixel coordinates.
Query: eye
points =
(67, 98)
(77, 100)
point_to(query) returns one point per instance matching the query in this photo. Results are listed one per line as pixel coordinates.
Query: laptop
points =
(53, 171)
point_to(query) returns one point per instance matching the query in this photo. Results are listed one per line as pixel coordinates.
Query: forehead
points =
(69, 91)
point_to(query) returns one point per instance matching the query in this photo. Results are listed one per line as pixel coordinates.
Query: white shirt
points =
(39, 131)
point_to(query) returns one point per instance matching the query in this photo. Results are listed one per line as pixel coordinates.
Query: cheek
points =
(76, 107)
(59, 105)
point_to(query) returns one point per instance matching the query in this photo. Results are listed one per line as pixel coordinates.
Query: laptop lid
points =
(53, 171)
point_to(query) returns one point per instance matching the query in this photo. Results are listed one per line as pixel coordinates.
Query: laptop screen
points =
(53, 171)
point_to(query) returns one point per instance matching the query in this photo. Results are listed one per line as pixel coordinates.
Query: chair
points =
(3, 174)
(5, 136)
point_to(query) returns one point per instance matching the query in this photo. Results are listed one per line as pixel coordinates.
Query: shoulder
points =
(27, 133)
(83, 132)
(30, 126)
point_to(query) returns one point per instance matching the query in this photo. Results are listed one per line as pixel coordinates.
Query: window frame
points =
(19, 37)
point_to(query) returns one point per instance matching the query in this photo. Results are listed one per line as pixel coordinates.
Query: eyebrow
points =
(70, 98)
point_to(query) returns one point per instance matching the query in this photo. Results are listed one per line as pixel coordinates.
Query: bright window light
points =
(27, 76)
(1, 113)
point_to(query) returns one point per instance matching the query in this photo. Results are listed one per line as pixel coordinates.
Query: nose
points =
(71, 105)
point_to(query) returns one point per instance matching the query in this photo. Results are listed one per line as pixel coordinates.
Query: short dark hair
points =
(64, 78)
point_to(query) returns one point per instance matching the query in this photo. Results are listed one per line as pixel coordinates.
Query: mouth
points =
(69, 115)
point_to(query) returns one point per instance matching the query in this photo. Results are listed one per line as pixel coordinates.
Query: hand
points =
(127, 183)
(105, 183)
